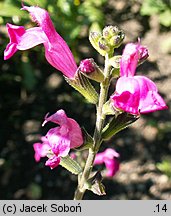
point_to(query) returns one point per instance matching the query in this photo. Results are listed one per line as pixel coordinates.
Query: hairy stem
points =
(100, 119)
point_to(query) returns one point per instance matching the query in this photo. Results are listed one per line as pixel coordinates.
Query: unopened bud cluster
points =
(105, 42)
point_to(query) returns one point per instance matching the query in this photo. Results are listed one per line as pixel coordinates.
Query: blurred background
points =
(30, 87)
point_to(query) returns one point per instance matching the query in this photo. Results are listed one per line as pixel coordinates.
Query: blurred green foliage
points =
(159, 7)
(165, 166)
(69, 16)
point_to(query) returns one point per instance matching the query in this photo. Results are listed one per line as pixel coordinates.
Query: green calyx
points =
(71, 165)
(115, 63)
(83, 86)
(118, 123)
(95, 184)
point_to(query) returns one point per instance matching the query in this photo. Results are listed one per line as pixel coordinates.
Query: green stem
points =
(100, 119)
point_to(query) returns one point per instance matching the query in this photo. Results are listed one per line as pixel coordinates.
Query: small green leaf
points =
(94, 38)
(9, 10)
(117, 124)
(71, 165)
(98, 188)
(115, 61)
(108, 109)
(95, 184)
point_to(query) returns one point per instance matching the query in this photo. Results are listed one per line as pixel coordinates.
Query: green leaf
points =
(71, 165)
(117, 124)
(83, 85)
(150, 7)
(108, 109)
(40, 3)
(165, 18)
(115, 61)
(98, 188)
(165, 166)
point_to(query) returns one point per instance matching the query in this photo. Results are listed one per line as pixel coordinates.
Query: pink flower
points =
(57, 51)
(68, 127)
(41, 149)
(135, 94)
(59, 140)
(109, 158)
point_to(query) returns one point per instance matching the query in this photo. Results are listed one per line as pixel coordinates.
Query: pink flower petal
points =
(132, 53)
(150, 100)
(57, 51)
(59, 139)
(60, 144)
(41, 150)
(75, 133)
(31, 38)
(108, 157)
(111, 153)
(129, 60)
(143, 53)
(59, 118)
(15, 34)
(99, 159)
(136, 95)
(53, 162)
(127, 95)
(70, 127)
(112, 166)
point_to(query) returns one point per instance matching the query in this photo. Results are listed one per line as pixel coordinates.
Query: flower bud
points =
(91, 70)
(87, 65)
(110, 31)
(113, 35)
(103, 44)
(94, 38)
(116, 40)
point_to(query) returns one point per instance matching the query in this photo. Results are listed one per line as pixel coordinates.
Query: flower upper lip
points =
(57, 51)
